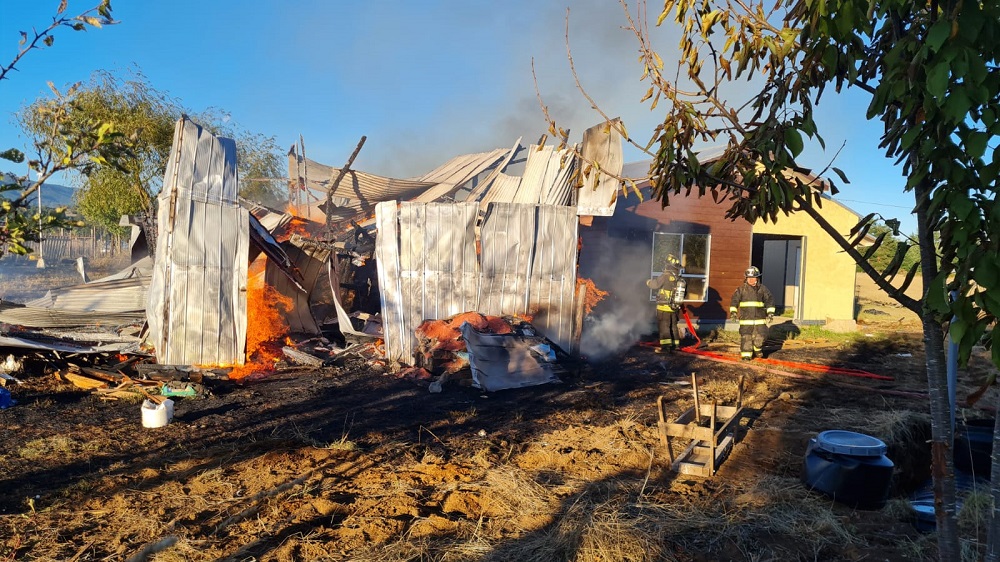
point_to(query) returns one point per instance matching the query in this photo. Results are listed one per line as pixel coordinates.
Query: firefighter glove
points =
(734, 316)
(770, 317)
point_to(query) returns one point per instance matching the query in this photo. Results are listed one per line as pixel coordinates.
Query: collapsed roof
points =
(191, 295)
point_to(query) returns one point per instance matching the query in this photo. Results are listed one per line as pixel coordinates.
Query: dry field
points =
(352, 463)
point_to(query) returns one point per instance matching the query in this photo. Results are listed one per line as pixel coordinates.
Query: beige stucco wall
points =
(828, 273)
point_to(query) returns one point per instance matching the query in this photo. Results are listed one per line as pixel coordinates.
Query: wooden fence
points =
(65, 244)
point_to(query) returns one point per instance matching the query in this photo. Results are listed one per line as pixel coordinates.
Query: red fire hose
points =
(825, 369)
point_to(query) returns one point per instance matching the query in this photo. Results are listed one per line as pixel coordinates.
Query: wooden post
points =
(715, 439)
(303, 173)
(581, 302)
(336, 182)
(293, 175)
(697, 403)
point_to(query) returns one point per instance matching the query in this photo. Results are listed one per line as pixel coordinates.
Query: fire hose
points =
(824, 369)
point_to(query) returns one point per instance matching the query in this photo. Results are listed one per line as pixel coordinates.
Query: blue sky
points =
(424, 81)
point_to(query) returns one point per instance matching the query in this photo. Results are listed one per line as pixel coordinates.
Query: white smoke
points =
(626, 314)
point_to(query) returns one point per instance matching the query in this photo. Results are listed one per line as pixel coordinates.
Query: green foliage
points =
(260, 168)
(132, 108)
(884, 255)
(70, 145)
(84, 147)
(137, 109)
(932, 70)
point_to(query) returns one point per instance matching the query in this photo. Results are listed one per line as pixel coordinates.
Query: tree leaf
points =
(793, 140)
(937, 35)
(975, 143)
(840, 174)
(12, 154)
(937, 79)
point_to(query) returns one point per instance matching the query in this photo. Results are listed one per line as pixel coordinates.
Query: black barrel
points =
(849, 467)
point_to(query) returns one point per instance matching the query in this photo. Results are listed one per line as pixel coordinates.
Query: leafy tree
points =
(85, 148)
(261, 169)
(882, 255)
(930, 69)
(133, 109)
(148, 115)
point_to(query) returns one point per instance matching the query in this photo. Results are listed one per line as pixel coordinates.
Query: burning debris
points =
(236, 291)
(495, 352)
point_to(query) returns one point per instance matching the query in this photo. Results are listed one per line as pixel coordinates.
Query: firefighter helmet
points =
(752, 271)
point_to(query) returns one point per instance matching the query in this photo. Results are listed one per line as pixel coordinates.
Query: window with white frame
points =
(692, 251)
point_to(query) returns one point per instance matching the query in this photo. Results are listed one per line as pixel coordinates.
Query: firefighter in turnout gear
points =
(753, 307)
(670, 288)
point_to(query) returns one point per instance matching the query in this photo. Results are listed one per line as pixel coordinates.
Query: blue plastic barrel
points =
(849, 467)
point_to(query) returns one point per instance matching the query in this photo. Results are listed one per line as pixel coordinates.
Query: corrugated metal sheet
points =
(311, 261)
(602, 144)
(546, 179)
(397, 329)
(427, 266)
(52, 344)
(529, 266)
(362, 187)
(507, 233)
(436, 272)
(197, 304)
(37, 317)
(115, 295)
(458, 171)
(553, 273)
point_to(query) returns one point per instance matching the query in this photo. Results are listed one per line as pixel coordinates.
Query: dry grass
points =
(21, 281)
(58, 446)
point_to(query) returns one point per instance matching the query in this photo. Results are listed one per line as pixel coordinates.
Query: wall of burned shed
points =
(428, 267)
(197, 295)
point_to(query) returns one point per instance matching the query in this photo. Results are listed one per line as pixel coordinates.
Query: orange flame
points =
(592, 296)
(265, 327)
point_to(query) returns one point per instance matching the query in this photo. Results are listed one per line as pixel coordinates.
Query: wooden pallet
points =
(711, 430)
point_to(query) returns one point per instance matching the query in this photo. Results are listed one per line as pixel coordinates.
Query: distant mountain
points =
(53, 194)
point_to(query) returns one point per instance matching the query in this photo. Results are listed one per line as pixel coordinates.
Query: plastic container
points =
(849, 467)
(922, 501)
(157, 415)
(973, 447)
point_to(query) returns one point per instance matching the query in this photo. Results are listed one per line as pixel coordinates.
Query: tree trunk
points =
(942, 433)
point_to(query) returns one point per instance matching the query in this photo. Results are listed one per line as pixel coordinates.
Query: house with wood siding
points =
(812, 280)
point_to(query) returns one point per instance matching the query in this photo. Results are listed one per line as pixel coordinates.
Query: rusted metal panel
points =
(197, 296)
(603, 160)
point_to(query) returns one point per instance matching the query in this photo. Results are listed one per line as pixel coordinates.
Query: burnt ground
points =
(354, 463)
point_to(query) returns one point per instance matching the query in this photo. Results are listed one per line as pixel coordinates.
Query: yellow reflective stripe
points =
(751, 304)
(752, 322)
(770, 310)
(664, 308)
(746, 354)
(732, 309)
(667, 342)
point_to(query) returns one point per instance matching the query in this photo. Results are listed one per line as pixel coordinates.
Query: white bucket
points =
(157, 415)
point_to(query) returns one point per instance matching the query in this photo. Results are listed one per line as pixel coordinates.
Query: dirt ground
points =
(355, 463)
